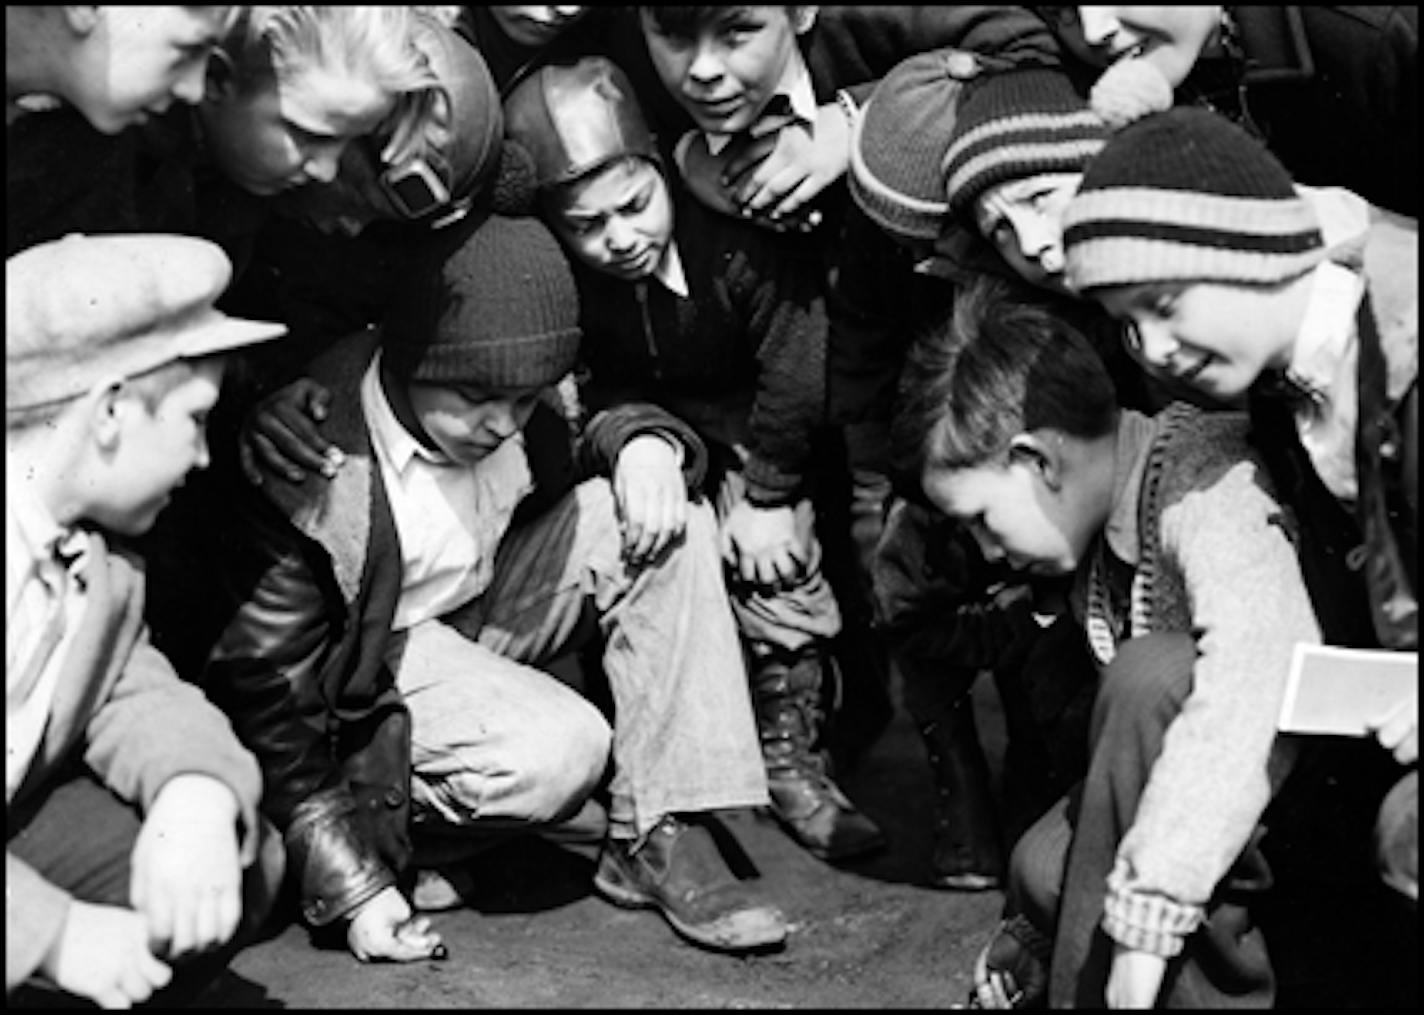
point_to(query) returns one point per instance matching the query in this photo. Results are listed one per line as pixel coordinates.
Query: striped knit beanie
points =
(898, 144)
(1183, 196)
(1017, 124)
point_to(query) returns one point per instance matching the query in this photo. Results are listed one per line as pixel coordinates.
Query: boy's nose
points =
(1155, 344)
(705, 65)
(190, 86)
(322, 166)
(1099, 24)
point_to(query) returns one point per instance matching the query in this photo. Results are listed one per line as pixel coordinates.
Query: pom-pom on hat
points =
(898, 143)
(87, 310)
(1186, 195)
(488, 301)
(1016, 124)
(574, 118)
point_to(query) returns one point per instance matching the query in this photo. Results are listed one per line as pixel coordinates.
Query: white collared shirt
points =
(30, 572)
(669, 271)
(449, 518)
(1325, 357)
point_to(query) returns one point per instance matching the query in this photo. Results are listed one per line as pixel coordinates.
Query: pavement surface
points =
(868, 934)
(863, 935)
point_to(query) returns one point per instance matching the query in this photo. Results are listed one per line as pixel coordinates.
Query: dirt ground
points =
(864, 935)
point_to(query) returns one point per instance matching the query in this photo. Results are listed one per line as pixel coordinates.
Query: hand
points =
(186, 877)
(651, 494)
(800, 164)
(1397, 730)
(1135, 978)
(1129, 90)
(383, 929)
(280, 434)
(102, 954)
(767, 547)
(704, 173)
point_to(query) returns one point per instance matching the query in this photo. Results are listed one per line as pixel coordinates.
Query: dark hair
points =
(998, 364)
(686, 22)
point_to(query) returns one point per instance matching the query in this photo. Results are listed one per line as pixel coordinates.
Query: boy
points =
(116, 65)
(1305, 301)
(722, 325)
(402, 606)
(1177, 548)
(131, 808)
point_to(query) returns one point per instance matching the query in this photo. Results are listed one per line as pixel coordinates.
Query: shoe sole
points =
(966, 882)
(745, 931)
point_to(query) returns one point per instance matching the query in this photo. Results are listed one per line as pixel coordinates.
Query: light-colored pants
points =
(495, 738)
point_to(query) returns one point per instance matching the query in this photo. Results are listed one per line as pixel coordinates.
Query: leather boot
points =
(968, 853)
(786, 689)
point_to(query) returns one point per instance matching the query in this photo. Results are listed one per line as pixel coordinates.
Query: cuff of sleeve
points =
(1148, 923)
(769, 485)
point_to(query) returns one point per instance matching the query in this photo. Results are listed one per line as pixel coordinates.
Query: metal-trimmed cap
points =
(85, 310)
(574, 118)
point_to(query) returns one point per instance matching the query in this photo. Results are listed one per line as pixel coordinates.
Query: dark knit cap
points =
(899, 140)
(1016, 124)
(489, 301)
(1186, 195)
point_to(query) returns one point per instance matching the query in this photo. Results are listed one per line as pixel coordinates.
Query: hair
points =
(376, 43)
(686, 22)
(999, 364)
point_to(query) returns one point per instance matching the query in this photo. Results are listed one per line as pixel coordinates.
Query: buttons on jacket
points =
(394, 798)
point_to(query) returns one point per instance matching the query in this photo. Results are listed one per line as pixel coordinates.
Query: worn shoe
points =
(1012, 970)
(678, 870)
(818, 815)
(967, 854)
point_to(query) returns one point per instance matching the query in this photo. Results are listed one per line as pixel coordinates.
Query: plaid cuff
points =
(1147, 923)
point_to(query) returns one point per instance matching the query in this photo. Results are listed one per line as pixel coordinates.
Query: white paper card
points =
(1340, 690)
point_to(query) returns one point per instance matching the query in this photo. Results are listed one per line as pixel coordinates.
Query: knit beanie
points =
(899, 140)
(1186, 195)
(489, 301)
(1017, 124)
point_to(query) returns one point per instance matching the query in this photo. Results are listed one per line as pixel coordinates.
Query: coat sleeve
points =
(272, 648)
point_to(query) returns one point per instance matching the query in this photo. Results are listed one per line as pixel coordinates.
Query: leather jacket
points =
(314, 575)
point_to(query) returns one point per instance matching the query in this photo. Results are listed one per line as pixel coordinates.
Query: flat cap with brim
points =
(88, 310)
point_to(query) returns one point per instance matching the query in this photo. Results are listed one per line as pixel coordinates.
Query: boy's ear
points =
(220, 79)
(106, 416)
(803, 16)
(1041, 451)
(81, 20)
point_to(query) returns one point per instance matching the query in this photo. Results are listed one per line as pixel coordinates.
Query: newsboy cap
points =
(85, 310)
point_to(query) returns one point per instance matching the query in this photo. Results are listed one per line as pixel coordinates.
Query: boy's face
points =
(1014, 515)
(134, 61)
(156, 449)
(618, 221)
(1213, 337)
(726, 72)
(274, 136)
(535, 24)
(1023, 219)
(468, 422)
(1169, 37)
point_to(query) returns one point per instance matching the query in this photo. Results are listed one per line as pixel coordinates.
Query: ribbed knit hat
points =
(1017, 124)
(1186, 195)
(490, 301)
(899, 140)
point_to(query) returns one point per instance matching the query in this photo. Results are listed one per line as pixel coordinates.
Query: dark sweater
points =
(744, 352)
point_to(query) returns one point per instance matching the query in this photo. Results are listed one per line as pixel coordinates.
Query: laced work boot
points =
(968, 854)
(787, 692)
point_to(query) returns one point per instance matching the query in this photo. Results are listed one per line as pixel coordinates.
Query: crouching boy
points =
(133, 844)
(1178, 547)
(393, 618)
